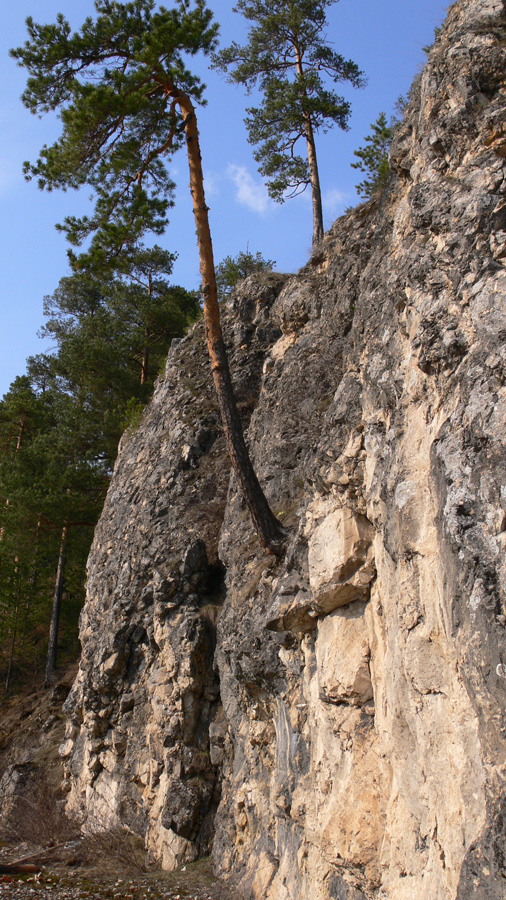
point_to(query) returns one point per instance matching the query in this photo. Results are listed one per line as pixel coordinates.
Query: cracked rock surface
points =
(332, 722)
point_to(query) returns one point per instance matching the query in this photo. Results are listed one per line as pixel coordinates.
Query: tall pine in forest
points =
(127, 101)
(114, 325)
(289, 58)
(20, 417)
(52, 485)
(149, 309)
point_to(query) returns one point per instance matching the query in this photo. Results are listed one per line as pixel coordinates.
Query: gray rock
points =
(343, 751)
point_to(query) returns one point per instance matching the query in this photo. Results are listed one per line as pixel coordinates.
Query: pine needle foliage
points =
(126, 100)
(373, 155)
(118, 125)
(233, 269)
(290, 60)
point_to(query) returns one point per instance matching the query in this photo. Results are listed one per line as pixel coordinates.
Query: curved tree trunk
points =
(266, 525)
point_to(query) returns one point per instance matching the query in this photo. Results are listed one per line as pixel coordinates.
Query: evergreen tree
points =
(151, 311)
(113, 327)
(126, 100)
(49, 483)
(231, 270)
(437, 31)
(289, 58)
(373, 156)
(20, 417)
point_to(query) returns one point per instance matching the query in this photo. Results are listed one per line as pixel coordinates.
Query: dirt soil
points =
(58, 882)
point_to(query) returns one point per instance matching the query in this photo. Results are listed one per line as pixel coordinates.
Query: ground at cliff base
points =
(34, 828)
(194, 882)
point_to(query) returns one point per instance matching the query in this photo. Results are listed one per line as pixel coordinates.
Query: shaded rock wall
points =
(144, 736)
(335, 717)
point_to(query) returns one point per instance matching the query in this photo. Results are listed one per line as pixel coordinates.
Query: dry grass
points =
(114, 850)
(35, 815)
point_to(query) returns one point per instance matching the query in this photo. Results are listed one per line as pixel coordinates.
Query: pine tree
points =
(20, 418)
(289, 58)
(373, 155)
(127, 100)
(151, 311)
(231, 270)
(49, 483)
(113, 326)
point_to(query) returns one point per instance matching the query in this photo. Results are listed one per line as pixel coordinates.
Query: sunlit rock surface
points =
(332, 723)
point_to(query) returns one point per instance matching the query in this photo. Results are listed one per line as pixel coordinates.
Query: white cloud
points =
(211, 183)
(334, 201)
(250, 193)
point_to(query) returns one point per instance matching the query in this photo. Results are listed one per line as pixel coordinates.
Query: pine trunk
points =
(145, 361)
(55, 611)
(316, 194)
(266, 525)
(14, 635)
(314, 175)
(145, 353)
(22, 425)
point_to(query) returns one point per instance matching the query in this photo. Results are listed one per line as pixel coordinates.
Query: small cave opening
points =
(215, 583)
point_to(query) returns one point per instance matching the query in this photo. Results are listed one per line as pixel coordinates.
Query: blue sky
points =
(384, 38)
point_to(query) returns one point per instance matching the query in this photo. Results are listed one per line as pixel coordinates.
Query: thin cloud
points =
(334, 201)
(212, 184)
(249, 193)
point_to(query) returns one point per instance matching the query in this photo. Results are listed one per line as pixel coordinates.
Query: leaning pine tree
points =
(289, 58)
(126, 101)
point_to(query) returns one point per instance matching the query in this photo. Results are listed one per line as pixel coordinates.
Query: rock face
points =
(333, 720)
(145, 734)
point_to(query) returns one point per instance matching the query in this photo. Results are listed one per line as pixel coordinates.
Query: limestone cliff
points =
(332, 722)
